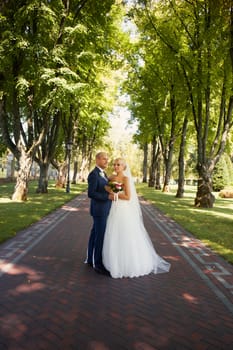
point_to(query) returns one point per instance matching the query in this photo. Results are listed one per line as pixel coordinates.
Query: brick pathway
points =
(51, 300)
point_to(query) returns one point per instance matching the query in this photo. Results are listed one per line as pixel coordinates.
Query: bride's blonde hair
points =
(122, 160)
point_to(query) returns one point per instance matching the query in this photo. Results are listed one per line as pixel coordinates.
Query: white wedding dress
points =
(127, 249)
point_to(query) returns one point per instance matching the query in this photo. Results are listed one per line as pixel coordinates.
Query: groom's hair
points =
(100, 154)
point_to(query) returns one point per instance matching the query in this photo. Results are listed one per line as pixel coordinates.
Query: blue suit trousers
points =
(96, 241)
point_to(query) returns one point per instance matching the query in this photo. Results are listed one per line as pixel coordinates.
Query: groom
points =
(99, 210)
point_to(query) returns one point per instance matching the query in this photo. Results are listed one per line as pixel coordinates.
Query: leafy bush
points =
(222, 174)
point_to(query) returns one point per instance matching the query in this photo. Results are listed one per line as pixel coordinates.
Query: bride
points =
(127, 249)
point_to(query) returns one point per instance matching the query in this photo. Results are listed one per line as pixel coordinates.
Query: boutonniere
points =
(101, 174)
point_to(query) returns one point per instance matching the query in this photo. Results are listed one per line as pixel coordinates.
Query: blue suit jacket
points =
(100, 204)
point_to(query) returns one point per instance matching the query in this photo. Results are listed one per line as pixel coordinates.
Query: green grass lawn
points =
(15, 216)
(214, 226)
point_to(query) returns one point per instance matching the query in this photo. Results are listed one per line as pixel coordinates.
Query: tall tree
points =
(188, 31)
(52, 52)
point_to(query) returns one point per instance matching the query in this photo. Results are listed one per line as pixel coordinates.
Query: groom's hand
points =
(111, 196)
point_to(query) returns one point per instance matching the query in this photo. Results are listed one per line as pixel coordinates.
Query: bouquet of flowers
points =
(115, 186)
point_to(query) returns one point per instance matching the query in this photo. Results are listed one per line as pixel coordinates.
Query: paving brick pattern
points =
(51, 300)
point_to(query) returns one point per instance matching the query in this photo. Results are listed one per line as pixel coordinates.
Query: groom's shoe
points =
(102, 271)
(88, 263)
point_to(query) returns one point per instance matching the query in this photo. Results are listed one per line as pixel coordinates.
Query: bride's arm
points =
(126, 194)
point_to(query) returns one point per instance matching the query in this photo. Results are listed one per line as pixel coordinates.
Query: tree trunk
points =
(43, 178)
(168, 169)
(75, 172)
(10, 166)
(61, 177)
(204, 197)
(145, 158)
(158, 174)
(180, 189)
(21, 187)
(169, 148)
(83, 169)
(154, 155)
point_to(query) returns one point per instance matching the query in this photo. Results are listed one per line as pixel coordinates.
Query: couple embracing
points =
(119, 244)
